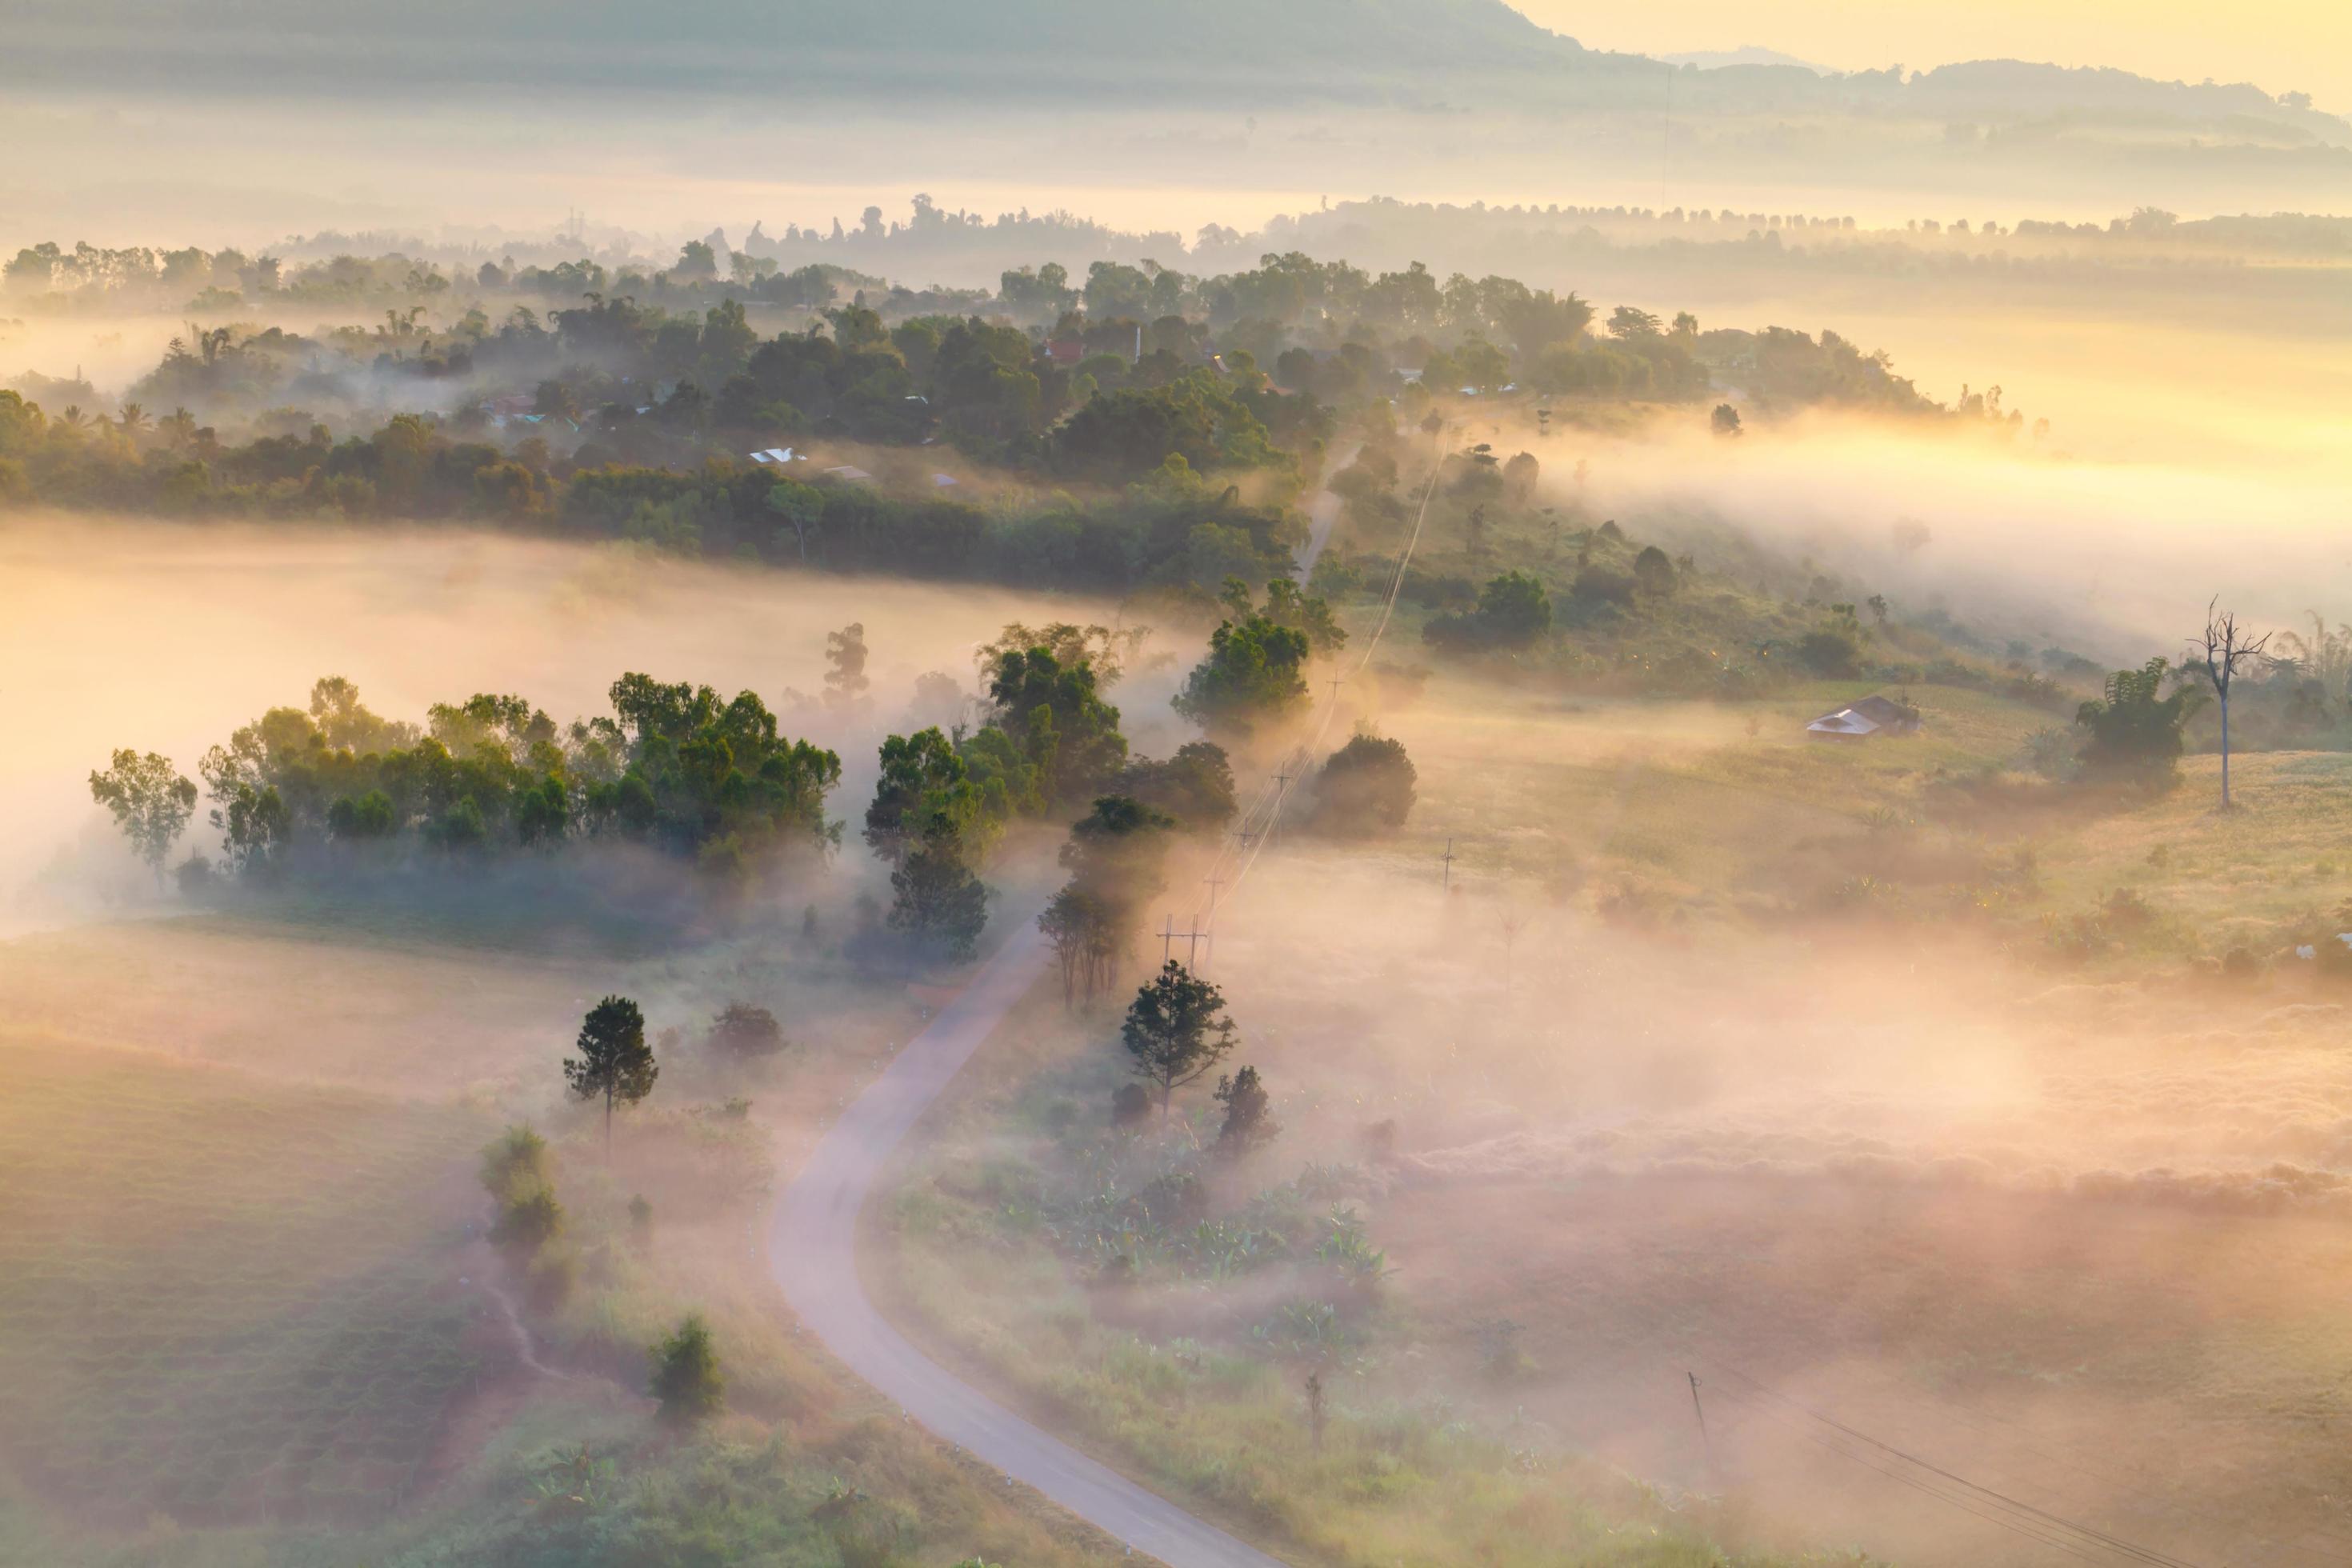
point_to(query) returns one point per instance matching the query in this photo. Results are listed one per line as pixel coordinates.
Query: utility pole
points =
(1700, 1411)
(1167, 940)
(1448, 857)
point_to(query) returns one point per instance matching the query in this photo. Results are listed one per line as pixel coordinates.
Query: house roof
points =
(1882, 709)
(1866, 715)
(1844, 721)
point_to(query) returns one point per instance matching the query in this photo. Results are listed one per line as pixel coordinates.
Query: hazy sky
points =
(2280, 46)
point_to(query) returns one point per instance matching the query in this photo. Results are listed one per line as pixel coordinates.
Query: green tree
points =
(846, 681)
(1055, 713)
(615, 1063)
(2134, 732)
(1115, 855)
(746, 1032)
(685, 1376)
(1366, 786)
(1254, 675)
(150, 803)
(1249, 1123)
(1176, 1031)
(934, 897)
(923, 781)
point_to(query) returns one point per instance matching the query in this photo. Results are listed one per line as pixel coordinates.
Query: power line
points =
(1273, 797)
(2043, 1518)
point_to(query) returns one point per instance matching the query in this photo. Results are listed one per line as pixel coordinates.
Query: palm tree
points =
(73, 418)
(134, 420)
(2325, 656)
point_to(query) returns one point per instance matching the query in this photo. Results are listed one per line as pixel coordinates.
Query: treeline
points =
(332, 790)
(1171, 529)
(1281, 341)
(674, 768)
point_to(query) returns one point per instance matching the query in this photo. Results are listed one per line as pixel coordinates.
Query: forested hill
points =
(1424, 53)
(1085, 48)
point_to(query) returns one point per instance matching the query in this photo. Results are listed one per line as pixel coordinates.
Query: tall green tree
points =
(923, 778)
(1115, 854)
(1254, 675)
(150, 803)
(935, 896)
(1055, 712)
(615, 1064)
(1249, 1123)
(1176, 1031)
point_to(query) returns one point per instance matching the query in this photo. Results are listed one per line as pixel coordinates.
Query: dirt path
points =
(812, 1255)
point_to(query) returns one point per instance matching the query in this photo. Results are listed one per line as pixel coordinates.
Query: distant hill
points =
(1746, 55)
(1026, 54)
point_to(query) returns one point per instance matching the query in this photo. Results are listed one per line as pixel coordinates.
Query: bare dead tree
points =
(2223, 648)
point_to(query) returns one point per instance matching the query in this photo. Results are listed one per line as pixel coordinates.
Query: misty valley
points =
(1592, 862)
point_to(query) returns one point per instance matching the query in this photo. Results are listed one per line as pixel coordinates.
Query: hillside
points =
(1414, 52)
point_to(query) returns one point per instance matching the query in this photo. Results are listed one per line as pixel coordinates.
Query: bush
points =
(1130, 1105)
(1831, 652)
(746, 1032)
(685, 1377)
(1512, 611)
(1366, 787)
(529, 1220)
(515, 1162)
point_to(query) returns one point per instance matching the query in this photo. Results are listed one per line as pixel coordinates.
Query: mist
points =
(1333, 785)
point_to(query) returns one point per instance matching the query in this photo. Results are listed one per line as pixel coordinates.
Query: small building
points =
(1872, 717)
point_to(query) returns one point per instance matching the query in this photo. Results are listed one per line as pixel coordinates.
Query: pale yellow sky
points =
(2280, 46)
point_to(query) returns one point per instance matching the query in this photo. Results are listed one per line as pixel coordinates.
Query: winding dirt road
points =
(812, 1255)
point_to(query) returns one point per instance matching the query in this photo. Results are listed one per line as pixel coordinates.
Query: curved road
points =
(813, 1256)
(812, 1251)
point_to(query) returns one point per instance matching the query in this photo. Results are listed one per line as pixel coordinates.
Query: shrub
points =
(1654, 573)
(529, 1220)
(1513, 611)
(685, 1376)
(1831, 652)
(2134, 735)
(515, 1161)
(1130, 1105)
(1366, 787)
(746, 1032)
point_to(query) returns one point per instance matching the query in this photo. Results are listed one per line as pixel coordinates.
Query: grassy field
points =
(1906, 1154)
(247, 1319)
(1171, 1331)
(222, 1299)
